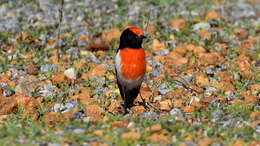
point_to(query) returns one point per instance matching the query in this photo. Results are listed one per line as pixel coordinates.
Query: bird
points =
(130, 65)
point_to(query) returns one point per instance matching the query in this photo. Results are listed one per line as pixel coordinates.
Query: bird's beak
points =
(142, 36)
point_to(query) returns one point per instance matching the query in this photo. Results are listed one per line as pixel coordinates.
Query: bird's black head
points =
(132, 37)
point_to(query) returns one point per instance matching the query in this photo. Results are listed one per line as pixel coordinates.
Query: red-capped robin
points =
(130, 65)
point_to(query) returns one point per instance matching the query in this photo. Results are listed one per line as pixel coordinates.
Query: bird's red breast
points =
(132, 62)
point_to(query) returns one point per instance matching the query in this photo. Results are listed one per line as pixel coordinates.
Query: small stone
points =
(99, 91)
(175, 112)
(149, 115)
(47, 90)
(178, 23)
(131, 125)
(163, 89)
(54, 144)
(155, 73)
(241, 34)
(98, 81)
(97, 43)
(70, 73)
(7, 93)
(79, 131)
(201, 26)
(131, 135)
(204, 142)
(156, 128)
(212, 14)
(216, 115)
(158, 46)
(165, 105)
(49, 67)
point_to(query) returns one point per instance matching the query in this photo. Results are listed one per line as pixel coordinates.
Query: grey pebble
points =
(54, 144)
(155, 72)
(217, 114)
(176, 112)
(49, 67)
(79, 131)
(7, 92)
(63, 108)
(149, 115)
(99, 81)
(99, 91)
(163, 89)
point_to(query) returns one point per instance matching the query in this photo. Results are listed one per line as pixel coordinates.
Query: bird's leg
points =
(143, 102)
(125, 105)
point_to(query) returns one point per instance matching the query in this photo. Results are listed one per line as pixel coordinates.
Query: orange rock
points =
(255, 123)
(158, 46)
(178, 23)
(93, 110)
(204, 34)
(95, 71)
(254, 115)
(113, 33)
(251, 99)
(237, 102)
(224, 76)
(119, 124)
(165, 105)
(32, 69)
(188, 109)
(238, 143)
(241, 34)
(22, 36)
(178, 93)
(97, 43)
(29, 104)
(202, 80)
(52, 118)
(195, 49)
(243, 65)
(150, 29)
(131, 135)
(79, 64)
(177, 103)
(206, 100)
(84, 38)
(7, 106)
(58, 78)
(189, 137)
(207, 59)
(255, 143)
(180, 50)
(53, 60)
(160, 138)
(227, 86)
(212, 14)
(138, 109)
(98, 132)
(146, 93)
(115, 108)
(204, 142)
(172, 37)
(174, 58)
(195, 88)
(156, 128)
(52, 41)
(84, 97)
(255, 87)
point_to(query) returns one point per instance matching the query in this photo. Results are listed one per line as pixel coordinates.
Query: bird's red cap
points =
(136, 30)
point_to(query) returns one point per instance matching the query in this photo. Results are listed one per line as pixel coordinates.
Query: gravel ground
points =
(203, 67)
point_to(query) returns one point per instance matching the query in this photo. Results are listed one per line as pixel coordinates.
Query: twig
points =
(60, 21)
